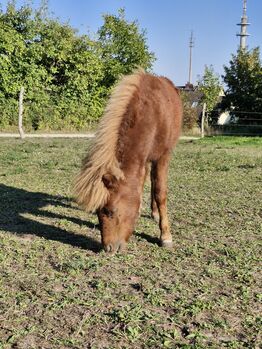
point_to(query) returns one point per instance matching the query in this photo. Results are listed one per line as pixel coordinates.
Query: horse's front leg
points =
(159, 174)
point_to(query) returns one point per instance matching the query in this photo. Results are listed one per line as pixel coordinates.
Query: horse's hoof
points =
(166, 243)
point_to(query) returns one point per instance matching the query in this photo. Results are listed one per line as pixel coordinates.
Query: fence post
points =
(20, 113)
(203, 120)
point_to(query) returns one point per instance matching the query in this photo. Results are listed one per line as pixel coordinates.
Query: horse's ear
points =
(109, 180)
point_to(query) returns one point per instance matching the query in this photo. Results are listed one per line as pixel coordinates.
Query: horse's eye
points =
(107, 212)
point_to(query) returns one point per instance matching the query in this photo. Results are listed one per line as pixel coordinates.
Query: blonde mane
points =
(89, 189)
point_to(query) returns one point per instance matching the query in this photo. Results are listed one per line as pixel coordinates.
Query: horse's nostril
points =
(121, 246)
(118, 246)
(108, 248)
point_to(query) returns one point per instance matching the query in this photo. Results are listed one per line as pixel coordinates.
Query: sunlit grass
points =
(59, 290)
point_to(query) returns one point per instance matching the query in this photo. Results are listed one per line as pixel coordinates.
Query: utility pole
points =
(191, 45)
(244, 23)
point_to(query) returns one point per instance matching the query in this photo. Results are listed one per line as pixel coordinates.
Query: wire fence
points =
(242, 123)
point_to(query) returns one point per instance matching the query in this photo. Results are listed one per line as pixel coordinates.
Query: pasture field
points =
(59, 290)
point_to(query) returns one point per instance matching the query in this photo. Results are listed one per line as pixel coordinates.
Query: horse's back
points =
(161, 113)
(152, 122)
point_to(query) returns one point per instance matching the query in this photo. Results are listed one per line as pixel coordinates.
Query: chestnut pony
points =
(141, 124)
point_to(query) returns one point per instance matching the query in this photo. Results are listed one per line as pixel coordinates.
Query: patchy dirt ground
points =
(59, 290)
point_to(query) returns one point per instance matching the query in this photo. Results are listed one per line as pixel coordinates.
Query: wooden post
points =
(20, 114)
(203, 120)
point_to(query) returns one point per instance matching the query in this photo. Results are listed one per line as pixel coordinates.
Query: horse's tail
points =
(89, 189)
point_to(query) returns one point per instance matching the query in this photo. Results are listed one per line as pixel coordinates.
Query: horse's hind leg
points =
(154, 208)
(159, 174)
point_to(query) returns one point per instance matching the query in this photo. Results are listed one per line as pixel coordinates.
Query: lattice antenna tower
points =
(244, 24)
(191, 45)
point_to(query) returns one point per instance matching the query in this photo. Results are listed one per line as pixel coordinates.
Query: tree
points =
(243, 78)
(190, 112)
(12, 48)
(209, 85)
(67, 76)
(123, 46)
(61, 71)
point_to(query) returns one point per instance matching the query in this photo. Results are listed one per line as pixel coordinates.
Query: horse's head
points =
(118, 216)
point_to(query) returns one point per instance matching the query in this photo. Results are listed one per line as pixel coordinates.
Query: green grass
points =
(59, 290)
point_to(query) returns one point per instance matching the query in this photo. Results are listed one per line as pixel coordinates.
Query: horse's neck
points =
(135, 173)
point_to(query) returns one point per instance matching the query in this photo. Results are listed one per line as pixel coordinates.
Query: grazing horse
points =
(140, 125)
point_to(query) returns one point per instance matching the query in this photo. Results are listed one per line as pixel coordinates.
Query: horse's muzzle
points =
(113, 247)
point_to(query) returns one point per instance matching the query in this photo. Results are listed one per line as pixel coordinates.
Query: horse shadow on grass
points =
(17, 204)
(151, 239)
(144, 236)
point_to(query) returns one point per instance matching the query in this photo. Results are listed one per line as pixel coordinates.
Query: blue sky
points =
(168, 24)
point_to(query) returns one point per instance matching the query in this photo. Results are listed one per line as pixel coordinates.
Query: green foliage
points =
(190, 113)
(210, 87)
(67, 77)
(243, 77)
(123, 47)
